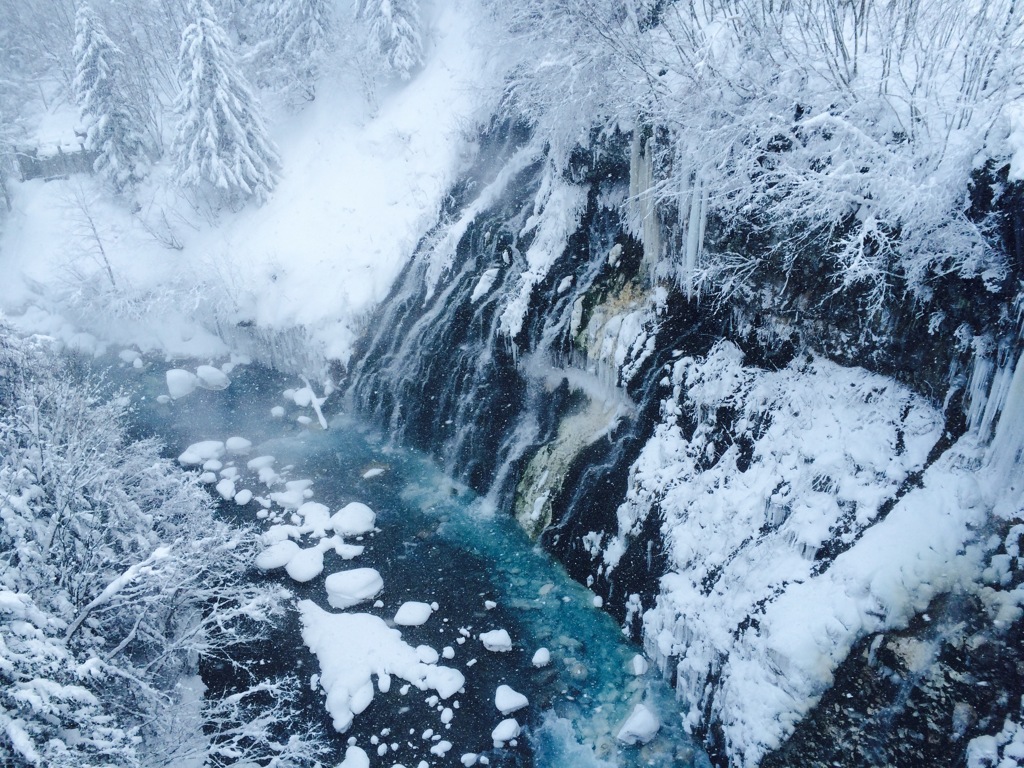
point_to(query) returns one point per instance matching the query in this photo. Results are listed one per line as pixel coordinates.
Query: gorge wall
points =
(804, 501)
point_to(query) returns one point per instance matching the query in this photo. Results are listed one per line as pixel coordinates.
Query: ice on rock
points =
(353, 519)
(163, 399)
(243, 497)
(304, 420)
(226, 488)
(497, 640)
(508, 700)
(181, 383)
(128, 356)
(238, 446)
(640, 727)
(209, 377)
(351, 587)
(208, 478)
(201, 452)
(352, 648)
(277, 412)
(213, 465)
(276, 555)
(638, 665)
(305, 565)
(542, 657)
(506, 730)
(413, 614)
(372, 473)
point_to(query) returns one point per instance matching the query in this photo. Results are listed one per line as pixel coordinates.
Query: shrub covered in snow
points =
(115, 577)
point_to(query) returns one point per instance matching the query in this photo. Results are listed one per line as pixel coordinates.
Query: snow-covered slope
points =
(359, 187)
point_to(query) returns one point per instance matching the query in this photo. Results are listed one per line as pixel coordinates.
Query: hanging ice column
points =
(1006, 450)
(642, 214)
(995, 404)
(693, 206)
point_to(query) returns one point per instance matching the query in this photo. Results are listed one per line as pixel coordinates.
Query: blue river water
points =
(435, 541)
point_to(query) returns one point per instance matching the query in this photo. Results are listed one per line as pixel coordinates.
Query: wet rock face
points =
(916, 697)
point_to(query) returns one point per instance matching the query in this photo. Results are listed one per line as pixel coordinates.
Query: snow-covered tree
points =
(221, 141)
(115, 578)
(394, 29)
(113, 126)
(295, 37)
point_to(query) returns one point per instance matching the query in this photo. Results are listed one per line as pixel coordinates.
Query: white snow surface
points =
(312, 262)
(352, 648)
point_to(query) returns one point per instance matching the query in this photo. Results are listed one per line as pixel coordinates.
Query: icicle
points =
(644, 219)
(695, 223)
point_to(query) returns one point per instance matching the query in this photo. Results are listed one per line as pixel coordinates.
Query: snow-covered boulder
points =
(351, 587)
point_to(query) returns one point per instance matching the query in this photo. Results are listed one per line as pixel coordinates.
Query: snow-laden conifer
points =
(113, 126)
(221, 141)
(395, 33)
(296, 35)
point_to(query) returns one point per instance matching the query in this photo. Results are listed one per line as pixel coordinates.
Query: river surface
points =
(435, 542)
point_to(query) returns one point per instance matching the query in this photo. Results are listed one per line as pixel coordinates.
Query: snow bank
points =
(779, 555)
(352, 648)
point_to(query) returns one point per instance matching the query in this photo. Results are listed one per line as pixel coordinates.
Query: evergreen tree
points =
(394, 31)
(113, 126)
(296, 38)
(221, 140)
